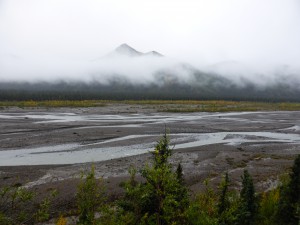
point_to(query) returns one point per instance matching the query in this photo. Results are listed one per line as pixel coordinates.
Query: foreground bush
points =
(21, 206)
(90, 198)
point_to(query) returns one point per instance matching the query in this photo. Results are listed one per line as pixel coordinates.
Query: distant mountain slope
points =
(156, 69)
(153, 53)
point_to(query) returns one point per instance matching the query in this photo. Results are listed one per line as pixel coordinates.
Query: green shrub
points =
(268, 207)
(90, 198)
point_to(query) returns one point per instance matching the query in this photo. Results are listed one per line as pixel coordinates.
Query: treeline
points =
(127, 91)
(162, 198)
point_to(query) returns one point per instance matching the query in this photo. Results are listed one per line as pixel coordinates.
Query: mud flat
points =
(48, 148)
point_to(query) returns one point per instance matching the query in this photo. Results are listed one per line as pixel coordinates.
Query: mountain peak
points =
(124, 45)
(125, 49)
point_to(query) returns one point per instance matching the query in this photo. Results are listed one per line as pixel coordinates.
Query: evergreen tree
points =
(182, 191)
(161, 199)
(223, 198)
(162, 151)
(168, 197)
(294, 188)
(289, 202)
(247, 206)
(179, 174)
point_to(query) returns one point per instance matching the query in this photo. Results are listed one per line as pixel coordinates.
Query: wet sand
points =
(48, 148)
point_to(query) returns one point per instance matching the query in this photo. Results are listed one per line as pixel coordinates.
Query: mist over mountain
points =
(126, 73)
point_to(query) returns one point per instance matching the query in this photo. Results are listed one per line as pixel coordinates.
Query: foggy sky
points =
(40, 39)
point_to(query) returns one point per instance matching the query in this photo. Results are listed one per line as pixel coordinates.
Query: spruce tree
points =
(182, 191)
(179, 174)
(294, 185)
(247, 206)
(227, 203)
(223, 199)
(289, 202)
(163, 198)
(162, 151)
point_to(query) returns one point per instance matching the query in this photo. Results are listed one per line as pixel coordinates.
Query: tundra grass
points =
(174, 106)
(52, 103)
(224, 106)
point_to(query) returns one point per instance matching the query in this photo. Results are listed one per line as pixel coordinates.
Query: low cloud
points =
(138, 70)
